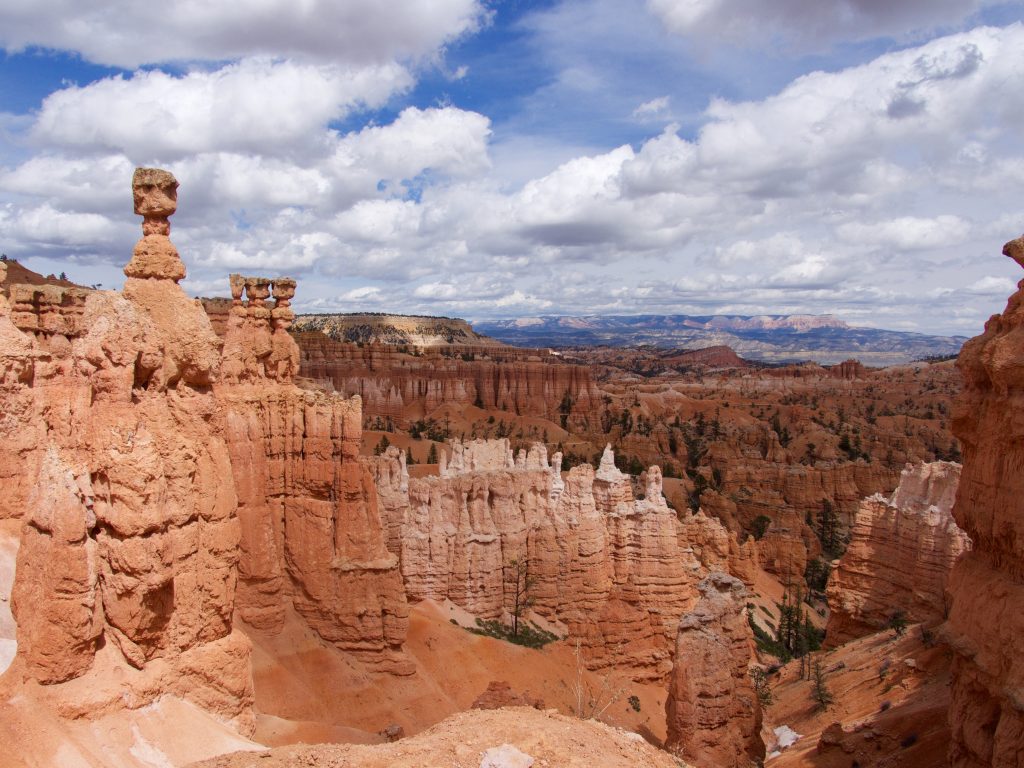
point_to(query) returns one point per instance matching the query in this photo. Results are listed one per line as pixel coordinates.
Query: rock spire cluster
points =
(616, 570)
(257, 344)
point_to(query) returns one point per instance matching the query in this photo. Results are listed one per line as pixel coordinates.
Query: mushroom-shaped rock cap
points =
(155, 192)
(1015, 250)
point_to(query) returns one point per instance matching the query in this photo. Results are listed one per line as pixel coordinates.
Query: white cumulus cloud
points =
(125, 33)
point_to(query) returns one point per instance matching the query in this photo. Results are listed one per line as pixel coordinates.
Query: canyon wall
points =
(404, 387)
(311, 532)
(900, 554)
(713, 713)
(986, 622)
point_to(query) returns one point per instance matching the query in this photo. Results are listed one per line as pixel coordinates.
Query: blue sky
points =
(502, 159)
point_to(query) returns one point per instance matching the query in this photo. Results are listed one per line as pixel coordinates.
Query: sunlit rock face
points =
(902, 549)
(616, 570)
(312, 536)
(115, 442)
(986, 622)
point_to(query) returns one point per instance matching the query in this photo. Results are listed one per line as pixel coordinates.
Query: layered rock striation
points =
(986, 621)
(713, 713)
(902, 549)
(312, 537)
(616, 570)
(403, 387)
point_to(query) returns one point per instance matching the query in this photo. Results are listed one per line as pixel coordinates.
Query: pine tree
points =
(820, 693)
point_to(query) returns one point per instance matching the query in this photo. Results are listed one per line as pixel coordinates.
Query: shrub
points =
(898, 623)
(759, 526)
(529, 634)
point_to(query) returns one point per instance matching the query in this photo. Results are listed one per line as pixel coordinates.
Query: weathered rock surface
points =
(616, 570)
(312, 535)
(463, 739)
(986, 621)
(714, 718)
(901, 552)
(402, 387)
(130, 538)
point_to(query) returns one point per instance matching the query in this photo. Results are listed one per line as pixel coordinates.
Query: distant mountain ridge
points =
(704, 322)
(823, 339)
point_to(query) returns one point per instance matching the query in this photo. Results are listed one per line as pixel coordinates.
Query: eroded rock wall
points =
(901, 552)
(404, 387)
(986, 622)
(313, 536)
(615, 570)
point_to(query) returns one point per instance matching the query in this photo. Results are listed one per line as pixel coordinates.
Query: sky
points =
(501, 158)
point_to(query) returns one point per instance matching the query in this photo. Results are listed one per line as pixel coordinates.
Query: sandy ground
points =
(170, 732)
(468, 739)
(897, 687)
(299, 678)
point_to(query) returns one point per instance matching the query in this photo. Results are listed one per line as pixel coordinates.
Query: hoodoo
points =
(311, 533)
(126, 570)
(714, 717)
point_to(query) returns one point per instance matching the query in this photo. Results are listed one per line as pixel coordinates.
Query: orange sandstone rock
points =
(615, 570)
(312, 531)
(714, 718)
(901, 551)
(986, 621)
(131, 532)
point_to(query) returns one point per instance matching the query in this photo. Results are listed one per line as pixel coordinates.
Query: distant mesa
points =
(412, 330)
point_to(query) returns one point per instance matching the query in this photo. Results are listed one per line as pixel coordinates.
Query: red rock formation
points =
(719, 356)
(759, 478)
(900, 554)
(130, 533)
(617, 571)
(986, 622)
(714, 718)
(312, 533)
(500, 694)
(406, 387)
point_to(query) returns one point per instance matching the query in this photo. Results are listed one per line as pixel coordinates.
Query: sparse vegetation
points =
(592, 701)
(761, 686)
(820, 692)
(897, 623)
(528, 634)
